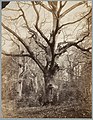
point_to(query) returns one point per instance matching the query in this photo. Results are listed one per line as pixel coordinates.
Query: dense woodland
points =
(47, 71)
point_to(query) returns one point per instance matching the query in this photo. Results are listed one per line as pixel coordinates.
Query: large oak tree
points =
(49, 67)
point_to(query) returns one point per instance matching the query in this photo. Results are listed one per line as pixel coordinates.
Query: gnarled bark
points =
(49, 79)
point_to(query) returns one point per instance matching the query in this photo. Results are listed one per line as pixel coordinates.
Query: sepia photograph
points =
(46, 59)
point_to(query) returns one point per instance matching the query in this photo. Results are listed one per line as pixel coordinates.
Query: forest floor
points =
(64, 110)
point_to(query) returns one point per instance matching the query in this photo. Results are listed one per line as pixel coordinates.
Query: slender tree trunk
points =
(20, 89)
(22, 69)
(36, 84)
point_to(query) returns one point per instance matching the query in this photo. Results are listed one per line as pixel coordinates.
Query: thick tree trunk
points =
(48, 78)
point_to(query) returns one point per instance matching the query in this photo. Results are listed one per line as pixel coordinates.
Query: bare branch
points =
(83, 38)
(16, 17)
(36, 35)
(15, 55)
(32, 31)
(83, 49)
(23, 15)
(44, 6)
(41, 45)
(51, 45)
(36, 26)
(70, 9)
(41, 33)
(16, 43)
(70, 44)
(26, 46)
(12, 9)
(53, 5)
(75, 20)
(65, 2)
(37, 20)
(60, 8)
(19, 38)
